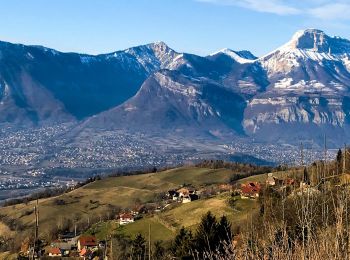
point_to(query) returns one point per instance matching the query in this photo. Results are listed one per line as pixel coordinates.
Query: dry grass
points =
(116, 191)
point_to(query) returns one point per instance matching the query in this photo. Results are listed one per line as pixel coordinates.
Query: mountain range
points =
(301, 91)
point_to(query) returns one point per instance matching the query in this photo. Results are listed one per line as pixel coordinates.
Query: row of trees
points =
(237, 167)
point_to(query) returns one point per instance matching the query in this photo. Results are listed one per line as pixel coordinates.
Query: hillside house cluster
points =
(273, 181)
(84, 246)
(251, 190)
(183, 195)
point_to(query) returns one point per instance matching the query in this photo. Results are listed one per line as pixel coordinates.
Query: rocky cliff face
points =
(309, 86)
(299, 91)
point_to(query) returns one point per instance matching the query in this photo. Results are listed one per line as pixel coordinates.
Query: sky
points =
(195, 26)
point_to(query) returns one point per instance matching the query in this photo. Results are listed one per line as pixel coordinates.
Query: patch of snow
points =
(30, 56)
(233, 55)
(130, 108)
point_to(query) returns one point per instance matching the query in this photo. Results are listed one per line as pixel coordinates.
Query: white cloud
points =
(320, 9)
(335, 11)
(265, 6)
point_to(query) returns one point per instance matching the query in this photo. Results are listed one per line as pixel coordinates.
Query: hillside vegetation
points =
(93, 201)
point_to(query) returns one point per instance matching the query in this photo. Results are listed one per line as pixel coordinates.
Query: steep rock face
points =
(309, 86)
(169, 100)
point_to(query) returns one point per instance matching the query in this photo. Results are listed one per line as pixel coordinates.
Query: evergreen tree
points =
(224, 230)
(339, 161)
(339, 156)
(159, 251)
(306, 177)
(182, 244)
(207, 238)
(122, 247)
(138, 247)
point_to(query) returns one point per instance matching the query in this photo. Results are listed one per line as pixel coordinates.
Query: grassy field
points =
(164, 225)
(92, 200)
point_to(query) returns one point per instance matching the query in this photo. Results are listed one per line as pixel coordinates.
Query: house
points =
(173, 194)
(55, 251)
(186, 199)
(65, 247)
(86, 242)
(126, 218)
(189, 198)
(67, 236)
(270, 181)
(185, 192)
(250, 190)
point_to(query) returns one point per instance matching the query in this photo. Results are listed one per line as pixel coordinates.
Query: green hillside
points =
(95, 199)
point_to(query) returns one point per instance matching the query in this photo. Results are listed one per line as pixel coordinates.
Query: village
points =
(87, 246)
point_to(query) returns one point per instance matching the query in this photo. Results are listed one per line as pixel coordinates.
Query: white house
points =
(126, 218)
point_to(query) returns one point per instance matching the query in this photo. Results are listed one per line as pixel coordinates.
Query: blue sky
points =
(196, 26)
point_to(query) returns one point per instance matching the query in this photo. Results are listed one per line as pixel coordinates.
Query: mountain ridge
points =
(304, 84)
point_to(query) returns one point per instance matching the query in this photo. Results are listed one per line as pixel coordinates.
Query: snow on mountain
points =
(152, 57)
(239, 56)
(303, 86)
(309, 85)
(299, 91)
(306, 45)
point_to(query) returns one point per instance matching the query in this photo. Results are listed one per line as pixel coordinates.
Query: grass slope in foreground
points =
(93, 200)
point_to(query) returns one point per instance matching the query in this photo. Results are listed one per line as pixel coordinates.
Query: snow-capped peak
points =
(239, 56)
(309, 44)
(310, 39)
(316, 41)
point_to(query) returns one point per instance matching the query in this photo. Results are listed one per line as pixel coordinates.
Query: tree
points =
(339, 160)
(224, 230)
(159, 250)
(306, 177)
(339, 156)
(207, 239)
(121, 247)
(182, 244)
(138, 247)
(224, 234)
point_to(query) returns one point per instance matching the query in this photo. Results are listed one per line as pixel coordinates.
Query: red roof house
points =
(86, 242)
(55, 251)
(126, 218)
(250, 190)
